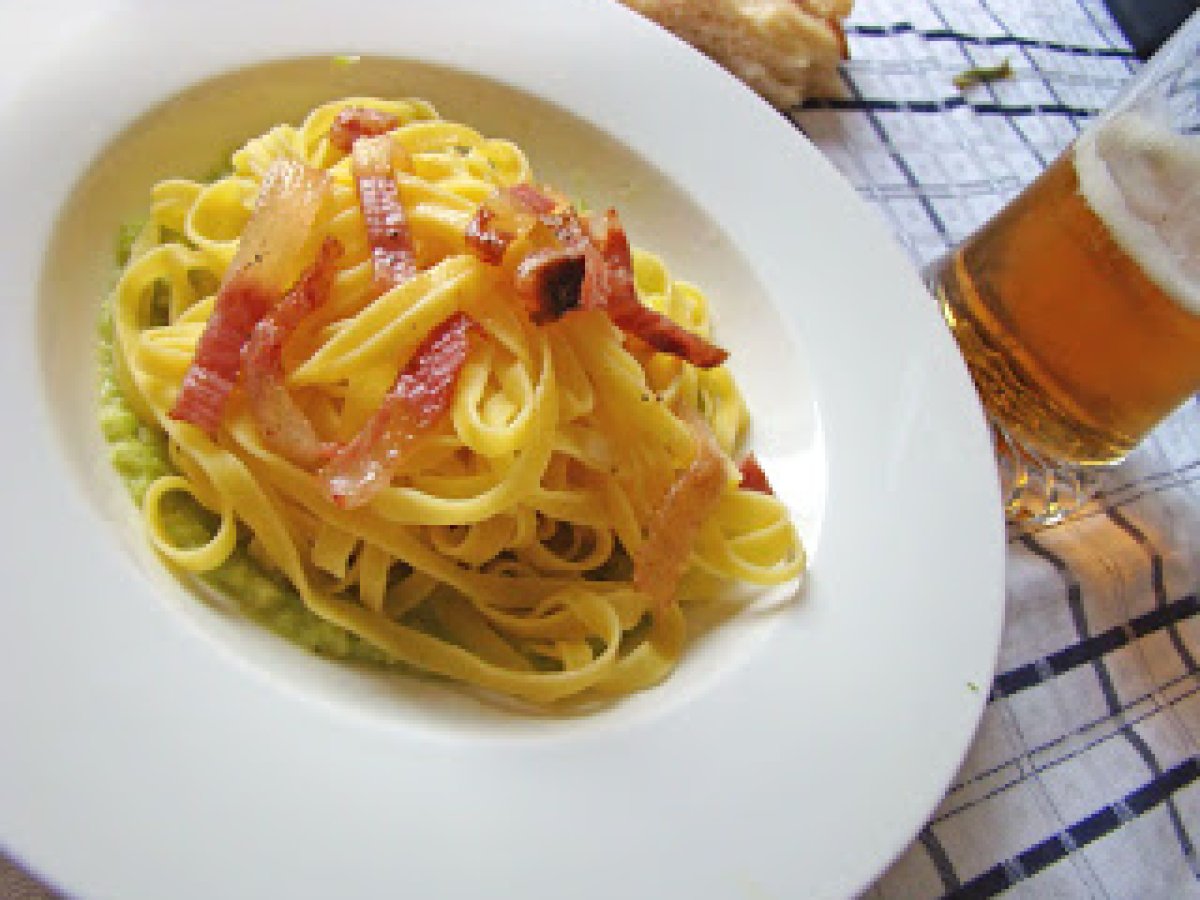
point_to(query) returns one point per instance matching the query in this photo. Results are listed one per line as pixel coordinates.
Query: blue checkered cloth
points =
(1084, 778)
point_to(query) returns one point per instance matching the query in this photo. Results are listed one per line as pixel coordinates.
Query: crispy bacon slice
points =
(267, 260)
(393, 258)
(485, 238)
(532, 198)
(211, 377)
(417, 401)
(568, 267)
(753, 476)
(667, 336)
(512, 212)
(282, 424)
(549, 281)
(551, 277)
(355, 122)
(661, 560)
(615, 292)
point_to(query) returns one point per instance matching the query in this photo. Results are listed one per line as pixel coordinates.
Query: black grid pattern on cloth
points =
(1082, 780)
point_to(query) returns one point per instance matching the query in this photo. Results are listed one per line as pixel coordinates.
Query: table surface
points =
(1083, 778)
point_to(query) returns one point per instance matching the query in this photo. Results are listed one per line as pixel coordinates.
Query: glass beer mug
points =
(1077, 306)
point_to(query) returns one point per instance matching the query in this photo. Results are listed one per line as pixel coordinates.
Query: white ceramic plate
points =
(155, 746)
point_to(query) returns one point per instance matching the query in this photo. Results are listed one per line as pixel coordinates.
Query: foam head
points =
(1143, 181)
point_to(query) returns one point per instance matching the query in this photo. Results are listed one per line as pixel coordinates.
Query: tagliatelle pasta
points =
(505, 467)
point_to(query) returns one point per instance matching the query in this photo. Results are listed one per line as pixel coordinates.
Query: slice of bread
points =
(784, 49)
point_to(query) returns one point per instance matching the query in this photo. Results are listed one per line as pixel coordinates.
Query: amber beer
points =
(1078, 306)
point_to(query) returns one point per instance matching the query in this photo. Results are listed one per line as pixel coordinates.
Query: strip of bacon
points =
(659, 563)
(667, 336)
(267, 260)
(485, 238)
(753, 476)
(282, 424)
(550, 277)
(614, 291)
(532, 198)
(568, 268)
(419, 398)
(355, 122)
(548, 281)
(393, 259)
(513, 211)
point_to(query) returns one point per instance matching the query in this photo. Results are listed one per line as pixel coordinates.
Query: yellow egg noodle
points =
(499, 555)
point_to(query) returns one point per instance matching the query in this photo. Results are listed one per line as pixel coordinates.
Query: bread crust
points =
(786, 50)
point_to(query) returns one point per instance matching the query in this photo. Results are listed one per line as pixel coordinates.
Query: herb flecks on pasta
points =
(469, 428)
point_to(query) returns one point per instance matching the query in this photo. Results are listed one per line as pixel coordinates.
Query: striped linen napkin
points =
(1083, 778)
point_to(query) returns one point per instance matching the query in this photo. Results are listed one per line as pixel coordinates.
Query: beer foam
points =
(1143, 181)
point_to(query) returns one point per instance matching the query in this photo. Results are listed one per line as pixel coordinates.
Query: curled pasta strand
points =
(583, 550)
(215, 218)
(202, 558)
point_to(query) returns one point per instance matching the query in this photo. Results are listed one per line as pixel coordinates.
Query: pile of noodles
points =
(513, 546)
